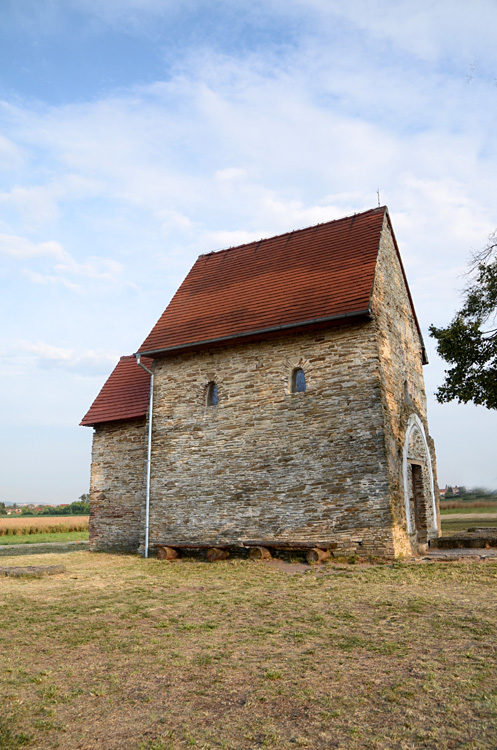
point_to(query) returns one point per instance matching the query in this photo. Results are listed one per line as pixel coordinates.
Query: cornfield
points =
(42, 525)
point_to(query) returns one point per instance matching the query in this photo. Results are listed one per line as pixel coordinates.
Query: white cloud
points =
(22, 248)
(420, 27)
(60, 261)
(94, 268)
(22, 355)
(36, 205)
(172, 219)
(11, 155)
(40, 278)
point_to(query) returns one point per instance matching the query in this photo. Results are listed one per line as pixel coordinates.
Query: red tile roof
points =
(322, 272)
(316, 274)
(125, 394)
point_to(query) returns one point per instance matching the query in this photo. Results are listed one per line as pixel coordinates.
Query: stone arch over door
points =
(419, 490)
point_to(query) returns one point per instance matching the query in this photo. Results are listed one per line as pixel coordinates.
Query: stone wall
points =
(266, 464)
(117, 486)
(401, 372)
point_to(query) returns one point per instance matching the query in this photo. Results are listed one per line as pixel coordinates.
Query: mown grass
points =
(60, 536)
(123, 653)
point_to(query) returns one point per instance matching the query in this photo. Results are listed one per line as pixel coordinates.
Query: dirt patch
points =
(11, 550)
(33, 570)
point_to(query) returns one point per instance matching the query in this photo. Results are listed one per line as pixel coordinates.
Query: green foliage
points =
(469, 343)
(77, 508)
(477, 493)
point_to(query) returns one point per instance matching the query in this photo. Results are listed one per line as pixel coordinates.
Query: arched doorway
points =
(419, 491)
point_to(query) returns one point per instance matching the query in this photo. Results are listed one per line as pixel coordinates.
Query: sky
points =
(137, 134)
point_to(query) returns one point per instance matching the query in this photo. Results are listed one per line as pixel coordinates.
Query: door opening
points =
(419, 504)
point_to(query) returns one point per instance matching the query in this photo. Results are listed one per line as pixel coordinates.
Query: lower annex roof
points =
(125, 394)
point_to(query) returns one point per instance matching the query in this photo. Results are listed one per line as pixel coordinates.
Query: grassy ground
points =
(122, 653)
(64, 536)
(451, 527)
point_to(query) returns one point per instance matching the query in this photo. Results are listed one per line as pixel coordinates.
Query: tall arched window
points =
(298, 380)
(212, 397)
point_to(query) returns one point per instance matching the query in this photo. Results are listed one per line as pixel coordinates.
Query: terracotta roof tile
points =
(319, 272)
(125, 394)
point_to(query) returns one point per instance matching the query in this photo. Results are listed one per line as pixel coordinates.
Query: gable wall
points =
(117, 485)
(401, 370)
(267, 464)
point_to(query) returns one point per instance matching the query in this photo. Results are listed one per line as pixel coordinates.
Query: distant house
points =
(288, 405)
(449, 491)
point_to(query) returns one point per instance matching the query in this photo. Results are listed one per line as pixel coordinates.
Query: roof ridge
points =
(377, 209)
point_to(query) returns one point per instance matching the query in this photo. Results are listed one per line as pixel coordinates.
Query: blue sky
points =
(136, 134)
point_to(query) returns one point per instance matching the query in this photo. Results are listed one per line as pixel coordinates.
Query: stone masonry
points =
(117, 485)
(266, 464)
(402, 389)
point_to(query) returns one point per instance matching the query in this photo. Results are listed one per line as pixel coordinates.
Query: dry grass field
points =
(22, 525)
(121, 653)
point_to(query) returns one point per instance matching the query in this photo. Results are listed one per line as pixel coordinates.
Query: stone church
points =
(278, 402)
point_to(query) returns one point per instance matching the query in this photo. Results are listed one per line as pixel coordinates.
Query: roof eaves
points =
(118, 418)
(340, 316)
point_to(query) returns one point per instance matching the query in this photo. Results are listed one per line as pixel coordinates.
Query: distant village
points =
(16, 509)
(448, 491)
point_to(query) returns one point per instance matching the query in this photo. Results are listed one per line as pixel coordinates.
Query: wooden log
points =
(167, 553)
(194, 545)
(317, 555)
(215, 553)
(259, 553)
(275, 544)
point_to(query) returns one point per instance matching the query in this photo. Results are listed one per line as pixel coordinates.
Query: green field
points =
(63, 536)
(479, 509)
(122, 653)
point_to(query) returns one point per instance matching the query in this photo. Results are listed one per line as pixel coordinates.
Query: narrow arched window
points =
(212, 397)
(298, 380)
